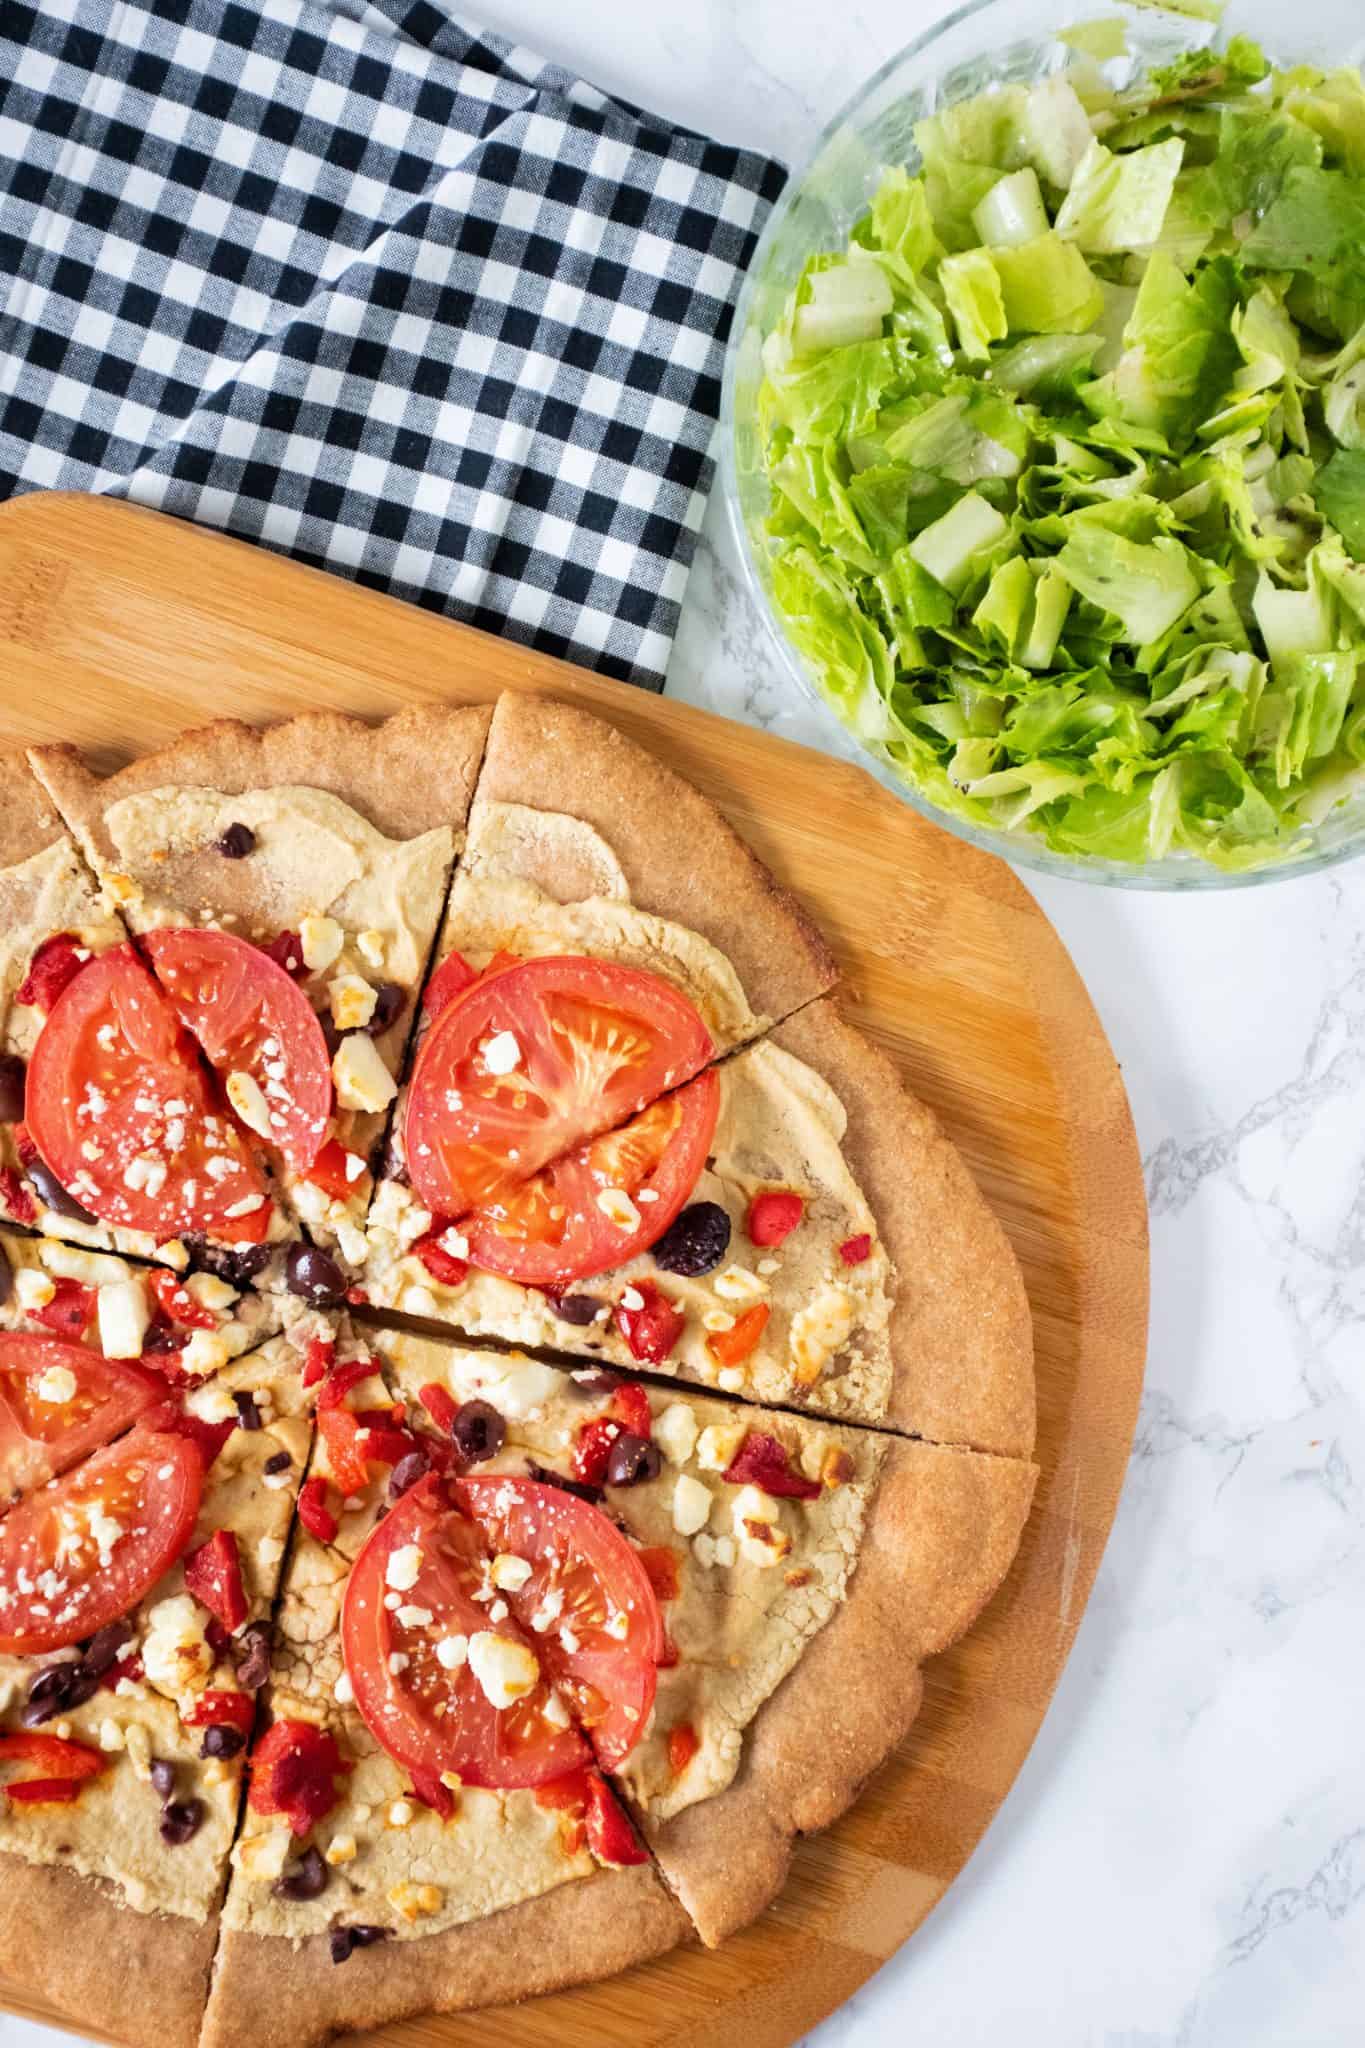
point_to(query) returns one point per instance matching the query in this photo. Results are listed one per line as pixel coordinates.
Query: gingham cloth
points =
(377, 289)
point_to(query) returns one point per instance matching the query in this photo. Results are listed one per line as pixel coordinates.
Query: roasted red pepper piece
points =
(683, 1744)
(293, 1773)
(317, 1360)
(176, 1302)
(854, 1250)
(773, 1216)
(314, 1513)
(328, 1171)
(223, 1709)
(70, 1311)
(630, 1406)
(654, 1328)
(213, 1573)
(61, 1766)
(761, 1461)
(740, 1341)
(442, 1265)
(53, 968)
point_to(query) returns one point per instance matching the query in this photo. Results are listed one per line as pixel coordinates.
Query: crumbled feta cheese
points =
(717, 1444)
(343, 1692)
(618, 1208)
(555, 1712)
(736, 1283)
(123, 1313)
(675, 1432)
(362, 1080)
(32, 1289)
(247, 1098)
(403, 1567)
(88, 1269)
(352, 1001)
(452, 1652)
(110, 1736)
(506, 1671)
(818, 1330)
(321, 939)
(414, 1617)
(56, 1386)
(261, 1858)
(175, 1654)
(415, 1901)
(210, 1292)
(341, 1849)
(205, 1352)
(370, 946)
(502, 1054)
(138, 1744)
(510, 1573)
(756, 1518)
(211, 1403)
(691, 1505)
(401, 1814)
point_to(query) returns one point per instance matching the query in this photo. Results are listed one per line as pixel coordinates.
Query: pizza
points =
(500, 1395)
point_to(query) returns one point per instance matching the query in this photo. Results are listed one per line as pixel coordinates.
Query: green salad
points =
(1067, 458)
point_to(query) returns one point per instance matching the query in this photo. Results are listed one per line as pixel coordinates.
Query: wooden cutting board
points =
(118, 627)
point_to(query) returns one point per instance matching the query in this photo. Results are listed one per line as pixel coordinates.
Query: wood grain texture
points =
(119, 627)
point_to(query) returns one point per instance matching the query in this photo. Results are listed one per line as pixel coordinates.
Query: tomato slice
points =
(251, 1018)
(528, 1064)
(58, 1402)
(113, 1075)
(607, 1635)
(85, 1550)
(429, 1716)
(553, 1228)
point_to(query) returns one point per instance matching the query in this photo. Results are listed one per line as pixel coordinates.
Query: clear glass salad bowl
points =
(986, 43)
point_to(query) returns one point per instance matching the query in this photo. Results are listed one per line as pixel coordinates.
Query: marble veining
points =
(1181, 1863)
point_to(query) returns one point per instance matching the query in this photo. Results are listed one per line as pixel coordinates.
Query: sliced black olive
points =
(181, 1820)
(388, 1007)
(478, 1431)
(51, 1192)
(307, 1879)
(313, 1276)
(237, 842)
(695, 1242)
(631, 1459)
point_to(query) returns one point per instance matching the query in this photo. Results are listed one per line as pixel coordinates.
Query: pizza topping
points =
(59, 1401)
(773, 1216)
(294, 1773)
(343, 1941)
(256, 1027)
(66, 1307)
(13, 1073)
(442, 1264)
(761, 1539)
(86, 1549)
(49, 1190)
(526, 1065)
(362, 1080)
(237, 842)
(59, 1767)
(817, 1332)
(236, 1265)
(578, 1310)
(18, 1203)
(213, 1574)
(62, 1687)
(233, 1711)
(691, 1505)
(181, 1820)
(176, 1653)
(389, 1000)
(481, 1714)
(452, 976)
(252, 1652)
(854, 1250)
(633, 1459)
(763, 1462)
(52, 969)
(248, 1414)
(308, 1879)
(731, 1347)
(649, 1322)
(675, 1432)
(478, 1431)
(114, 1075)
(314, 1513)
(314, 1276)
(695, 1242)
(683, 1744)
(322, 939)
(603, 1642)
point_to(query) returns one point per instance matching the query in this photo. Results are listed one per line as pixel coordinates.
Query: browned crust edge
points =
(961, 1328)
(28, 822)
(274, 1995)
(414, 771)
(680, 857)
(941, 1535)
(68, 1940)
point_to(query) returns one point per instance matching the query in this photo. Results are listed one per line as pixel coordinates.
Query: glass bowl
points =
(988, 42)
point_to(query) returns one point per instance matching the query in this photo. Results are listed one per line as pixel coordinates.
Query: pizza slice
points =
(583, 969)
(791, 1226)
(703, 1580)
(415, 1817)
(285, 887)
(135, 1597)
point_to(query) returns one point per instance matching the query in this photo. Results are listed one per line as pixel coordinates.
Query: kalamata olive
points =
(104, 1647)
(162, 1776)
(237, 842)
(235, 1264)
(278, 1461)
(248, 1414)
(222, 1741)
(331, 1036)
(252, 1652)
(161, 1337)
(343, 1940)
(388, 1007)
(307, 1879)
(313, 1276)
(56, 1691)
(631, 1459)
(181, 1820)
(13, 1074)
(478, 1431)
(406, 1473)
(287, 952)
(695, 1242)
(578, 1309)
(51, 1193)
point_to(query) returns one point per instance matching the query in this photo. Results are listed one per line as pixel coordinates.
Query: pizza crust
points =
(940, 1537)
(961, 1329)
(680, 859)
(274, 1995)
(67, 1940)
(28, 822)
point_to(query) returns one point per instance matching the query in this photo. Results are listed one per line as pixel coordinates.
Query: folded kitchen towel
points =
(377, 289)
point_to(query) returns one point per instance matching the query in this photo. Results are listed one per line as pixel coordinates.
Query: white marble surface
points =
(1182, 1861)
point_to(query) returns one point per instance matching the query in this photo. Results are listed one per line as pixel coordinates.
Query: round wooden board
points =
(119, 628)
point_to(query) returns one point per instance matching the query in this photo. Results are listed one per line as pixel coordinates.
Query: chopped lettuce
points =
(1067, 458)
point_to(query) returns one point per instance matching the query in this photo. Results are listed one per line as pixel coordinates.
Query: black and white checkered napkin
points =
(378, 290)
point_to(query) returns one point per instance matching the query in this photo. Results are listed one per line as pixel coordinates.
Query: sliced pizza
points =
(285, 887)
(791, 1226)
(135, 1597)
(421, 1793)
(677, 1559)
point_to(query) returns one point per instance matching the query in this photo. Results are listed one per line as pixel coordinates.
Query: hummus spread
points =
(825, 1344)
(757, 1577)
(112, 1830)
(393, 1862)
